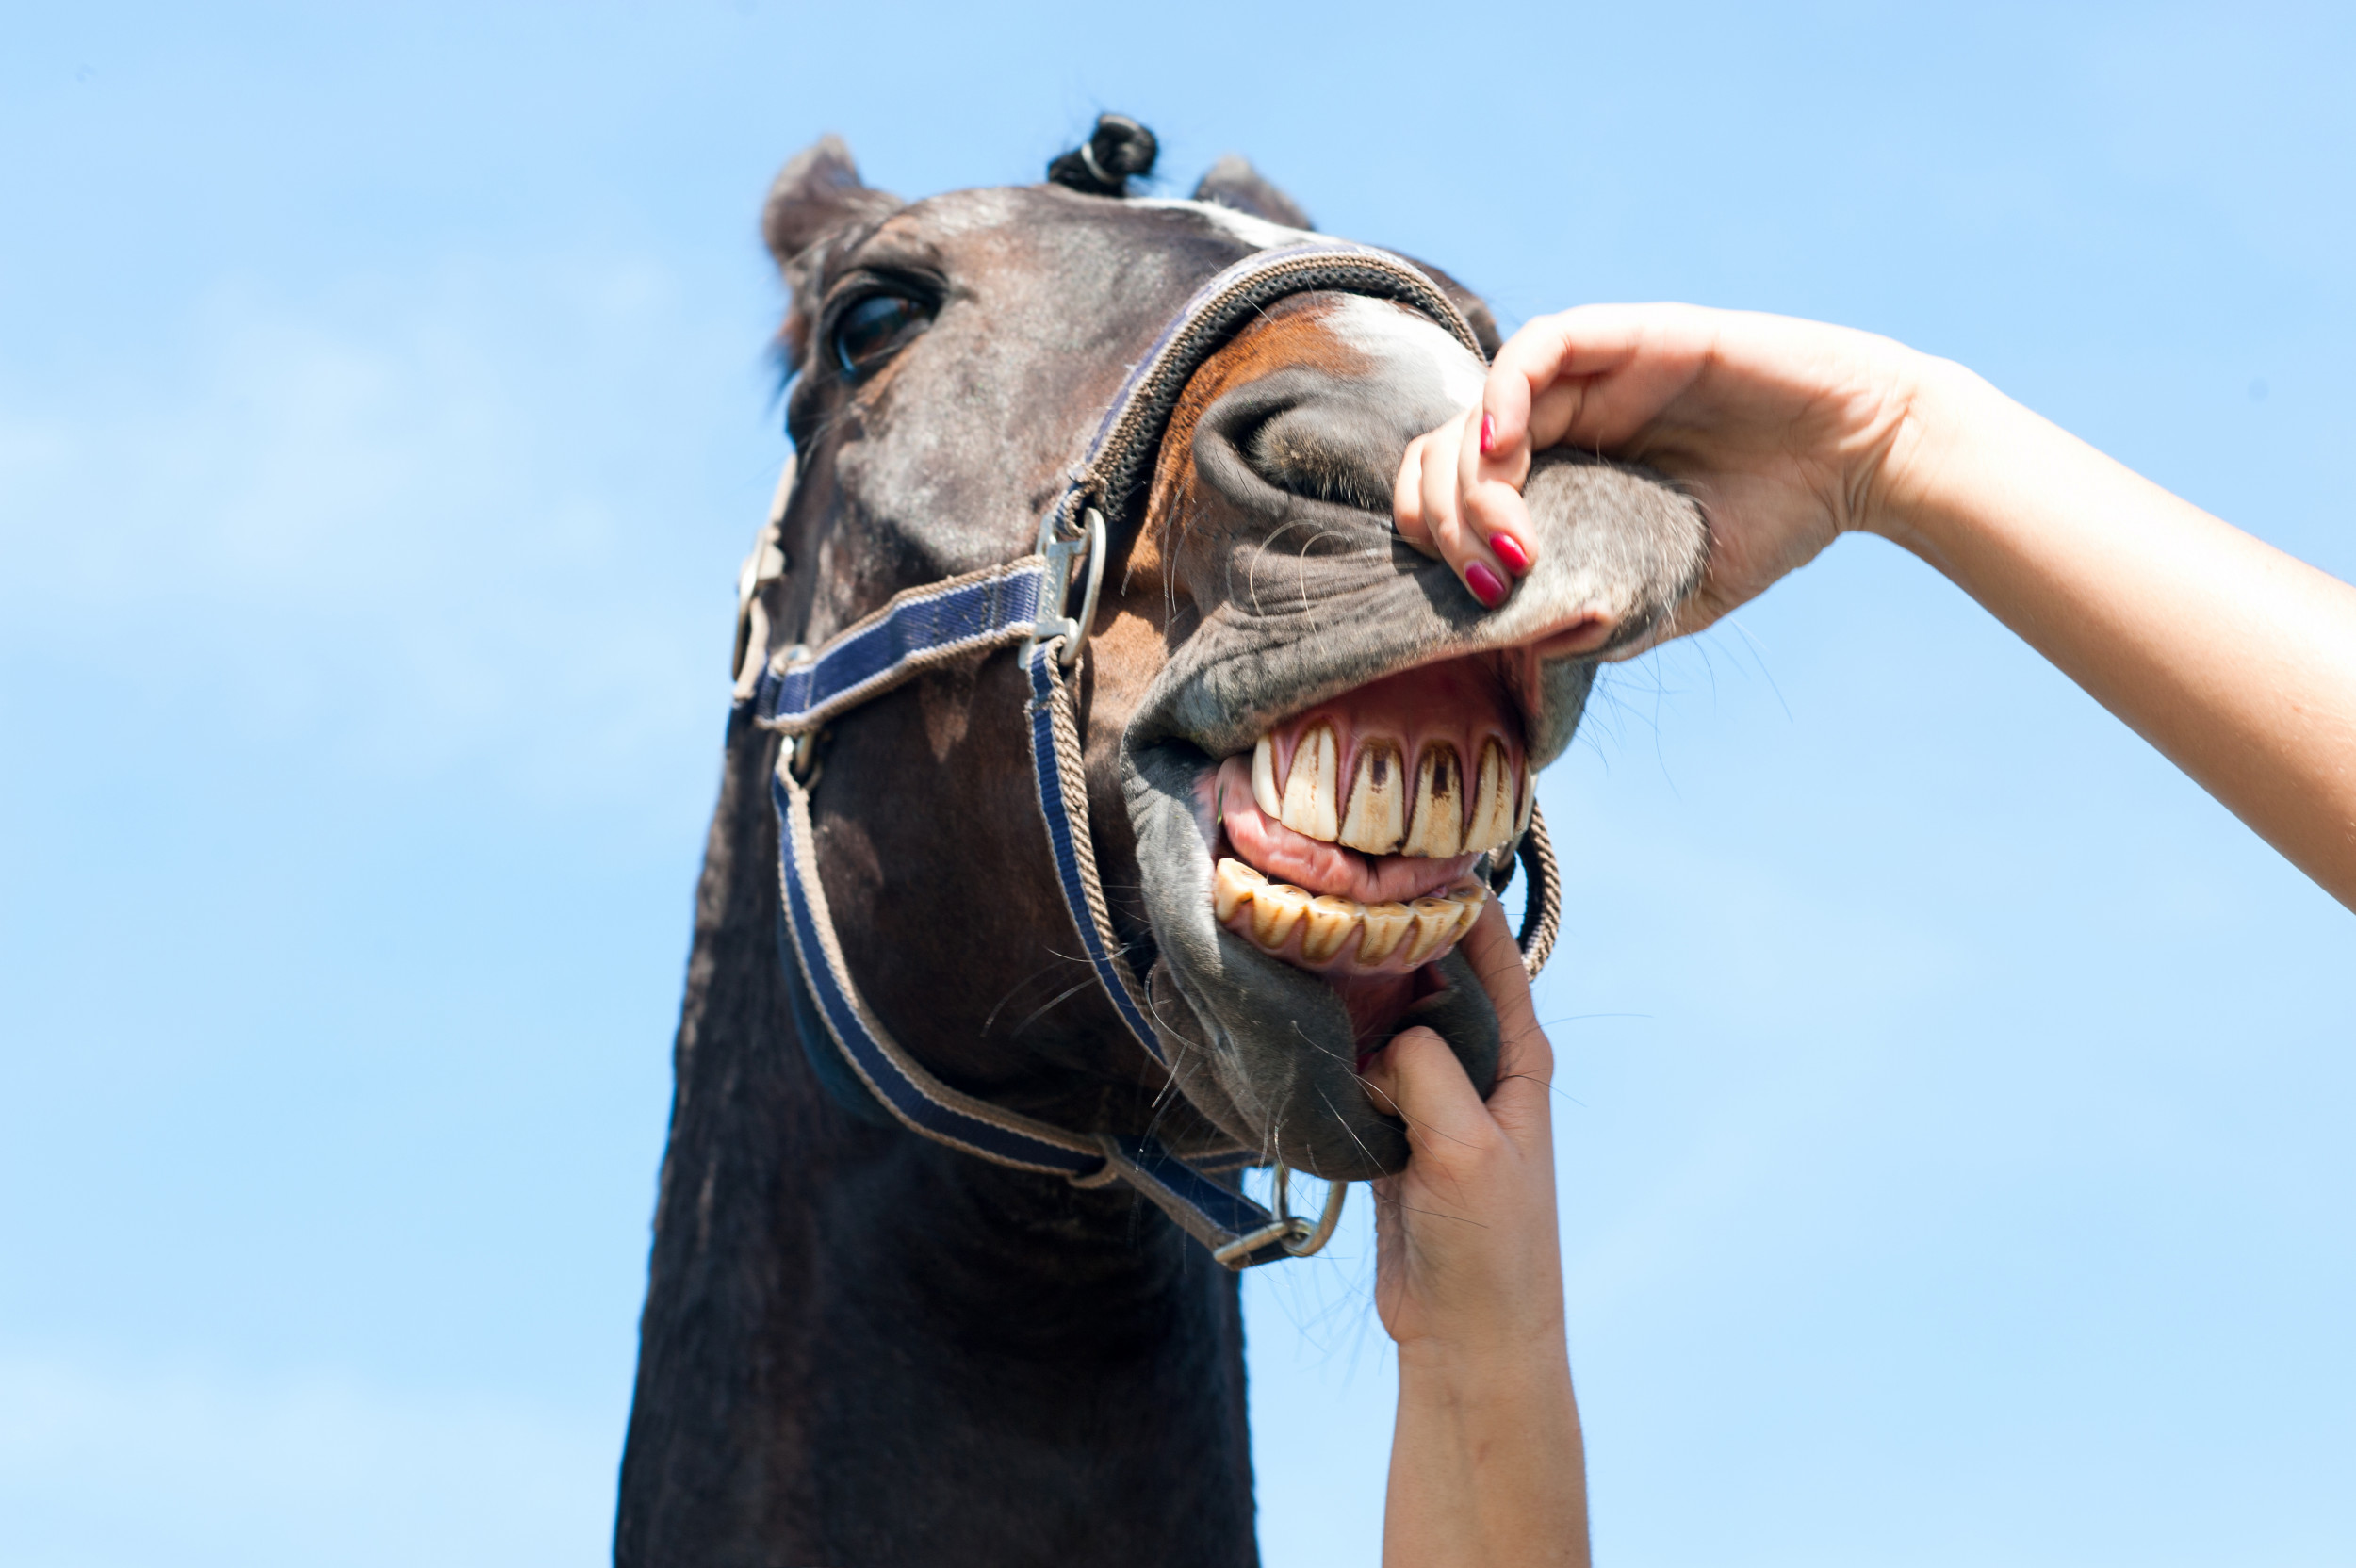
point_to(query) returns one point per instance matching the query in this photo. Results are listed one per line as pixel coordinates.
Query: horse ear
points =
(817, 193)
(1234, 182)
(816, 196)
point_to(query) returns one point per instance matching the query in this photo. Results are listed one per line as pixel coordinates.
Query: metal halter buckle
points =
(1299, 1238)
(1061, 553)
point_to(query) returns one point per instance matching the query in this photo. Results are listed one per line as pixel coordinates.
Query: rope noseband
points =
(795, 690)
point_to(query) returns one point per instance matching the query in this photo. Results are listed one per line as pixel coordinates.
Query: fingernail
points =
(1488, 432)
(1509, 549)
(1485, 584)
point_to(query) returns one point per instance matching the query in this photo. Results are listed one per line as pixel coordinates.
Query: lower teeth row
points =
(1412, 933)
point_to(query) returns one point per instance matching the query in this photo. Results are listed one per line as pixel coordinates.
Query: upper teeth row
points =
(1378, 816)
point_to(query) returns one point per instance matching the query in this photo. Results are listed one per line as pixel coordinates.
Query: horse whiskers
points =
(1335, 1111)
(1404, 1207)
(1401, 1111)
(1326, 1051)
(1086, 982)
(1060, 961)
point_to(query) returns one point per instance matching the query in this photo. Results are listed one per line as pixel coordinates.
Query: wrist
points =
(1927, 465)
(1496, 1363)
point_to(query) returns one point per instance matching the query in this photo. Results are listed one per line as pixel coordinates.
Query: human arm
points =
(2236, 660)
(1487, 1465)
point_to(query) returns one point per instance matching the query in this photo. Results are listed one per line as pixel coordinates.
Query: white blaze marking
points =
(1393, 337)
(1383, 331)
(1256, 232)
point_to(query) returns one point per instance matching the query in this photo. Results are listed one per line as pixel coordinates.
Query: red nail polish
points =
(1488, 432)
(1485, 584)
(1509, 549)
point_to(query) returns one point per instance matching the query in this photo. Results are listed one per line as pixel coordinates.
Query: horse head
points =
(1308, 749)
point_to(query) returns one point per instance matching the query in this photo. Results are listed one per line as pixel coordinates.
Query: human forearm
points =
(1485, 1462)
(2236, 661)
(1487, 1465)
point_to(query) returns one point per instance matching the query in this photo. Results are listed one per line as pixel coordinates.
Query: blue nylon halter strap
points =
(946, 621)
(914, 632)
(1239, 1232)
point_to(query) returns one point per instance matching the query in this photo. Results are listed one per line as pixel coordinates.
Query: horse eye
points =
(875, 329)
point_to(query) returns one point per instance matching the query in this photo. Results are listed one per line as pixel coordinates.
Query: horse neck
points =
(859, 1346)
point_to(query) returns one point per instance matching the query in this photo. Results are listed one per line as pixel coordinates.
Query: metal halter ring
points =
(1302, 1239)
(802, 758)
(1298, 1237)
(1061, 553)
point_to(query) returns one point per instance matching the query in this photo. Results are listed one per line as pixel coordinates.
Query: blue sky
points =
(1954, 1100)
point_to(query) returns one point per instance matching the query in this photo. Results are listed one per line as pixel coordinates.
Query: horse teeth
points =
(1330, 922)
(1264, 779)
(1493, 802)
(1276, 908)
(1386, 926)
(1433, 922)
(1377, 818)
(1234, 884)
(1436, 829)
(1311, 789)
(1529, 801)
(1468, 897)
(1410, 934)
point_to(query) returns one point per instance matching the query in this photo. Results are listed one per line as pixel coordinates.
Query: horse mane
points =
(1119, 150)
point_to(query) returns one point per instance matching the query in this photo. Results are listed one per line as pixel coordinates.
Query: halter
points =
(797, 691)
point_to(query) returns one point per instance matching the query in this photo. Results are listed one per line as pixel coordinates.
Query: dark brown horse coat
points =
(860, 1347)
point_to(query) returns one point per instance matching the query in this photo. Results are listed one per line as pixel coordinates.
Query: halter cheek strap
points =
(797, 690)
(916, 631)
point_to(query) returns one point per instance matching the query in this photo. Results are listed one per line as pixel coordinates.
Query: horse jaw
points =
(1265, 578)
(1310, 608)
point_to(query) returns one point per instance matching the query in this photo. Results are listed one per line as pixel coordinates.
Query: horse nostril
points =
(1316, 450)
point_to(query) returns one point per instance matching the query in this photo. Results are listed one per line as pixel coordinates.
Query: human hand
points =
(1487, 1465)
(1468, 1266)
(1788, 433)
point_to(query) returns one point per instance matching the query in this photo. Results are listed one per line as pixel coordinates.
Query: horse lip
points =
(1222, 701)
(1267, 1051)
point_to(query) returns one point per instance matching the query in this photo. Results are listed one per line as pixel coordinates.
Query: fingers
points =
(1494, 512)
(1594, 376)
(1428, 503)
(1407, 494)
(1527, 409)
(1418, 1079)
(1598, 376)
(1489, 496)
(1525, 1056)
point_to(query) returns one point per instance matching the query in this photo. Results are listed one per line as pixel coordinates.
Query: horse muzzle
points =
(1332, 773)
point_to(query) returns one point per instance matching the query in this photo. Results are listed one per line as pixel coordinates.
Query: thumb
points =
(1418, 1079)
